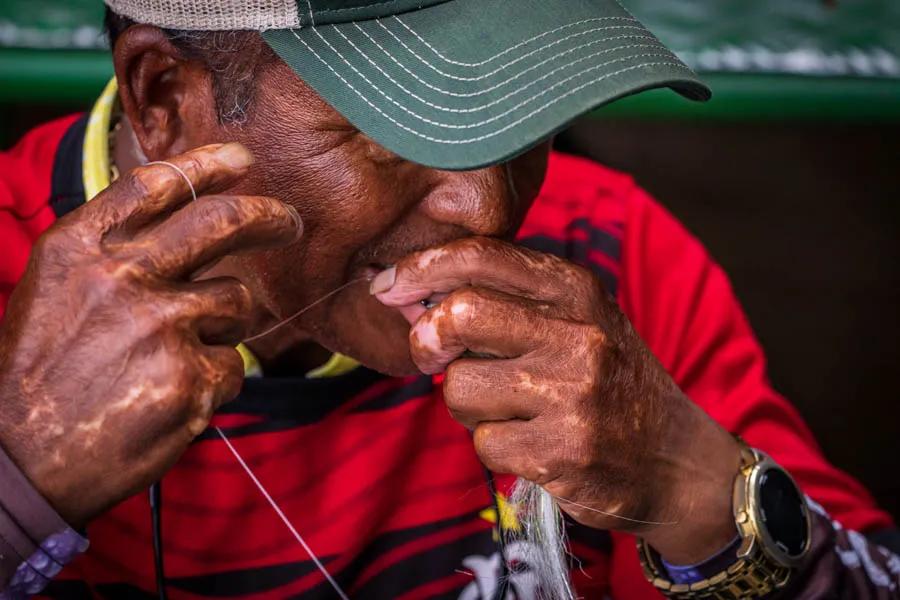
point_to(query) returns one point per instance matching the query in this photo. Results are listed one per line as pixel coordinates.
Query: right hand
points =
(112, 356)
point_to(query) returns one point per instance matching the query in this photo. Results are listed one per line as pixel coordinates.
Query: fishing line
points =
(284, 519)
(252, 475)
(614, 515)
(306, 308)
(179, 171)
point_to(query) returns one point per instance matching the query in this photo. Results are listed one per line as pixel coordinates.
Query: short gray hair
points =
(233, 57)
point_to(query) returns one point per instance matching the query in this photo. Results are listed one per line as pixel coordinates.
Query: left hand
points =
(571, 398)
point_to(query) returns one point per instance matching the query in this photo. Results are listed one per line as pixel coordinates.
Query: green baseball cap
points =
(453, 84)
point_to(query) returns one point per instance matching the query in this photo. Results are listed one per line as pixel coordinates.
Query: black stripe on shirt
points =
(66, 180)
(262, 579)
(576, 251)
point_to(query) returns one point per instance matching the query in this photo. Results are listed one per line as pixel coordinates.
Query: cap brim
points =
(469, 83)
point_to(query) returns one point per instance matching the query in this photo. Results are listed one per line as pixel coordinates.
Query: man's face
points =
(363, 209)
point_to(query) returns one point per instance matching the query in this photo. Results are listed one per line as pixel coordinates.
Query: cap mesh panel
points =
(209, 15)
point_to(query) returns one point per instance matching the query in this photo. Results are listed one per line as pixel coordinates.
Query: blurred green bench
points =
(767, 59)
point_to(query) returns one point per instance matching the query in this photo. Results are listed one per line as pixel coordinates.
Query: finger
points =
(489, 263)
(213, 227)
(148, 192)
(478, 320)
(218, 311)
(477, 391)
(513, 447)
(220, 378)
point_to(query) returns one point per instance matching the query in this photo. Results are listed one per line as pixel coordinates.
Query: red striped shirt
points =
(372, 471)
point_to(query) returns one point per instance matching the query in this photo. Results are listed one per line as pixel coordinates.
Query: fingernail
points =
(384, 281)
(297, 220)
(235, 156)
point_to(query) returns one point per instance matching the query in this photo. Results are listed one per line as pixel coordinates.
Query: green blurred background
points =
(789, 175)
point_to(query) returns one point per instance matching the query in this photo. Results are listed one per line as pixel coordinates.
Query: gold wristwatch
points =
(772, 520)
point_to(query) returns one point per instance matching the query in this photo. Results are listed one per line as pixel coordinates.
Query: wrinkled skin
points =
(113, 359)
(117, 345)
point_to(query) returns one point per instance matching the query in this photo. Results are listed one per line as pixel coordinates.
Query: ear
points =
(168, 99)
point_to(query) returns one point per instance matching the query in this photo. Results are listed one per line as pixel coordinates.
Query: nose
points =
(483, 202)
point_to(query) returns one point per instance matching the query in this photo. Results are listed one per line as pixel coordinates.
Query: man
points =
(351, 179)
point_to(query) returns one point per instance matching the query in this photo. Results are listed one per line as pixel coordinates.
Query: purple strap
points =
(35, 573)
(687, 574)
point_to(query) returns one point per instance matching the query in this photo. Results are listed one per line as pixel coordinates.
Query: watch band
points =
(757, 571)
(749, 578)
(704, 570)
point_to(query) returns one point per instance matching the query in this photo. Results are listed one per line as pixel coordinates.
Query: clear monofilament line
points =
(304, 309)
(543, 529)
(284, 519)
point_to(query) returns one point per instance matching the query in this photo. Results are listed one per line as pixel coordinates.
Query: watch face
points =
(783, 512)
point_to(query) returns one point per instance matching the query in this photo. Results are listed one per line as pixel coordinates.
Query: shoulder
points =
(26, 169)
(26, 174)
(578, 188)
(581, 215)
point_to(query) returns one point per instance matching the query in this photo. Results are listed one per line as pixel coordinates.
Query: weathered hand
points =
(570, 397)
(112, 357)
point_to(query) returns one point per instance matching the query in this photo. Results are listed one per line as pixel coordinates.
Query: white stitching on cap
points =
(457, 78)
(501, 84)
(517, 60)
(498, 116)
(492, 88)
(517, 46)
(312, 19)
(502, 129)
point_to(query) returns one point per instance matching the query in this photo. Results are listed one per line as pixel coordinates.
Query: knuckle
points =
(464, 304)
(222, 212)
(420, 353)
(488, 446)
(54, 247)
(468, 251)
(194, 163)
(238, 297)
(454, 387)
(225, 377)
(243, 298)
(104, 281)
(139, 182)
(474, 245)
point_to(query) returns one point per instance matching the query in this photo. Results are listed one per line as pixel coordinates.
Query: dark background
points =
(805, 219)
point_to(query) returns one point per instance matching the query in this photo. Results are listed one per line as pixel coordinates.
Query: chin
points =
(391, 357)
(376, 336)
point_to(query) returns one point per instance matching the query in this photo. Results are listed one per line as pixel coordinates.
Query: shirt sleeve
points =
(843, 564)
(35, 543)
(683, 306)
